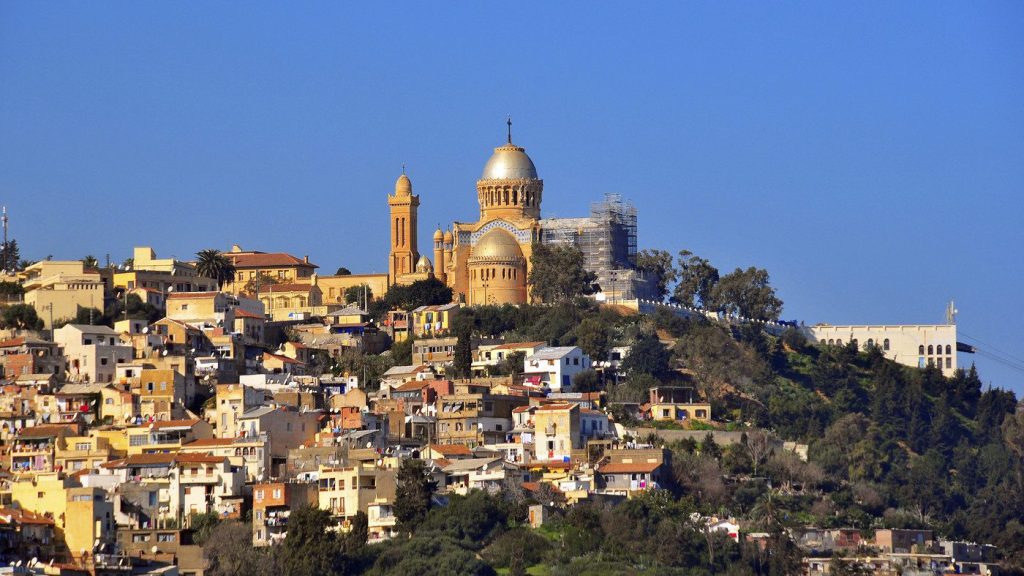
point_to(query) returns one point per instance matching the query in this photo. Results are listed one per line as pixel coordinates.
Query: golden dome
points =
(497, 244)
(509, 162)
(448, 238)
(403, 186)
(424, 265)
(438, 235)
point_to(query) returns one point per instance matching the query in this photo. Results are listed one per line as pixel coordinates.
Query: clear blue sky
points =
(869, 155)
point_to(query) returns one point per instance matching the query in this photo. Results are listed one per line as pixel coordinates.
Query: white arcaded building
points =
(916, 345)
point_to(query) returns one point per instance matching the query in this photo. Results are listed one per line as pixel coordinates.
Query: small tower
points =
(439, 262)
(404, 205)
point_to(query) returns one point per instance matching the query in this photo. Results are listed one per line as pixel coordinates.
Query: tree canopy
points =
(214, 264)
(557, 274)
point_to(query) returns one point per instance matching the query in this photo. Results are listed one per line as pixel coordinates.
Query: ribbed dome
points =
(497, 244)
(509, 162)
(424, 265)
(403, 186)
(438, 235)
(448, 238)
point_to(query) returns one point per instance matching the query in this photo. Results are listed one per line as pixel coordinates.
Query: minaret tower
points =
(6, 265)
(403, 206)
(439, 262)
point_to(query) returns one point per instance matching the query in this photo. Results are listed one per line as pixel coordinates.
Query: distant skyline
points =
(869, 156)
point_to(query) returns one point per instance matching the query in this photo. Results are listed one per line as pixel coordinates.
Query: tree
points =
(412, 494)
(342, 271)
(429, 292)
(214, 264)
(228, 551)
(697, 280)
(260, 282)
(557, 274)
(20, 317)
(463, 361)
(759, 446)
(586, 381)
(90, 261)
(8, 289)
(592, 337)
(359, 295)
(749, 294)
(202, 526)
(656, 266)
(310, 547)
(10, 256)
(648, 356)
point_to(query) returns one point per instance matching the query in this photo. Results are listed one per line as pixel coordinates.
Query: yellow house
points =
(164, 275)
(677, 404)
(57, 288)
(44, 493)
(293, 300)
(76, 453)
(344, 491)
(117, 404)
(163, 393)
(116, 437)
(434, 320)
(334, 287)
(166, 437)
(89, 519)
(283, 268)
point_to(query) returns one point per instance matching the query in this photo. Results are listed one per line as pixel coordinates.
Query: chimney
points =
(306, 258)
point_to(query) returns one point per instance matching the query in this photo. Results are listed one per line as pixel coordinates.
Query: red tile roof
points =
(517, 345)
(177, 295)
(44, 431)
(451, 449)
(261, 260)
(243, 313)
(198, 459)
(630, 468)
(21, 516)
(12, 342)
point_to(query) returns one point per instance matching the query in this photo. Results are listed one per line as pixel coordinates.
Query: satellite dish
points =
(164, 353)
(145, 329)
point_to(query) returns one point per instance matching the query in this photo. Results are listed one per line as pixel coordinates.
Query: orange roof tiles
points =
(264, 260)
(451, 449)
(629, 468)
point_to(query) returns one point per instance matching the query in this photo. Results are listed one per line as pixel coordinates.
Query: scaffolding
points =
(608, 242)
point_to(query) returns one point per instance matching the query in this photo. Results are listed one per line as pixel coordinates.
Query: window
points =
(165, 537)
(885, 344)
(258, 495)
(949, 350)
(82, 446)
(277, 493)
(920, 350)
(949, 362)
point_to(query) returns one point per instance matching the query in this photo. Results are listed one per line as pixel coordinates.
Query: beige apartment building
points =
(93, 352)
(57, 288)
(914, 345)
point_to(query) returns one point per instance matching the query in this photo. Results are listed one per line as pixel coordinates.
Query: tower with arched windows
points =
(404, 205)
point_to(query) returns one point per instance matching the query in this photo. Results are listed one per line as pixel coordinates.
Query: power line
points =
(991, 347)
(1000, 360)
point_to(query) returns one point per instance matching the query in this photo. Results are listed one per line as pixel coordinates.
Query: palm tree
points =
(214, 264)
(90, 261)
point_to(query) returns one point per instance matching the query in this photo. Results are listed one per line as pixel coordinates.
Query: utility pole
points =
(7, 251)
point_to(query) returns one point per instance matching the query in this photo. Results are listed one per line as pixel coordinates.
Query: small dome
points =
(438, 235)
(403, 186)
(424, 265)
(448, 238)
(509, 162)
(497, 244)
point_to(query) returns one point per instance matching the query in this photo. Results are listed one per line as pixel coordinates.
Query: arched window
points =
(856, 346)
(871, 343)
(948, 350)
(238, 451)
(515, 197)
(831, 342)
(885, 344)
(839, 342)
(920, 350)
(931, 350)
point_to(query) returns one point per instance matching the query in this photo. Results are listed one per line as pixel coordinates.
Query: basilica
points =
(488, 261)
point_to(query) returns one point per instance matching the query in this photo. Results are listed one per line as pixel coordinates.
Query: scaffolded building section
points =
(608, 242)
